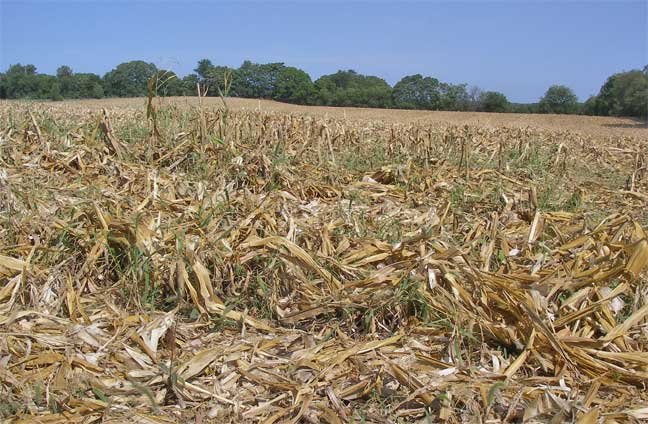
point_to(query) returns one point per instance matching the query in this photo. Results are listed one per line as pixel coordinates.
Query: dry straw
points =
(174, 263)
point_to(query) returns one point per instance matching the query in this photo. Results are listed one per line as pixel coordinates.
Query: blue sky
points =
(516, 47)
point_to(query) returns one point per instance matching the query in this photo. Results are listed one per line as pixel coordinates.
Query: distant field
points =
(594, 125)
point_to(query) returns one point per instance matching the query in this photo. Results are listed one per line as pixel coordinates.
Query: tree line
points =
(622, 94)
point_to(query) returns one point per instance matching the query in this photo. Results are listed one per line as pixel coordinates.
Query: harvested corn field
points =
(198, 263)
(598, 126)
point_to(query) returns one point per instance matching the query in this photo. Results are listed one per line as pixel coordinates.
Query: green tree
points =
(55, 92)
(454, 97)
(254, 80)
(417, 92)
(24, 82)
(558, 99)
(189, 85)
(523, 108)
(64, 71)
(293, 85)
(474, 98)
(88, 86)
(129, 79)
(592, 106)
(167, 84)
(45, 87)
(20, 82)
(624, 94)
(348, 88)
(66, 82)
(213, 77)
(204, 69)
(3, 85)
(492, 101)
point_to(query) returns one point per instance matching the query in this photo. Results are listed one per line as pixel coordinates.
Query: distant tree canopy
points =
(349, 88)
(417, 92)
(78, 86)
(558, 99)
(212, 77)
(129, 79)
(254, 80)
(623, 94)
(22, 82)
(492, 101)
(523, 108)
(293, 85)
(167, 83)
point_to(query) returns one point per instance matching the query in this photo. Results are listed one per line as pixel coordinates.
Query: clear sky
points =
(516, 47)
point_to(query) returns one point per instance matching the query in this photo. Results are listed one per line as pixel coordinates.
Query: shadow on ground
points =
(638, 123)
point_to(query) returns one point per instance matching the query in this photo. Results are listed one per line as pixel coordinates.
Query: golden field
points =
(251, 261)
(593, 125)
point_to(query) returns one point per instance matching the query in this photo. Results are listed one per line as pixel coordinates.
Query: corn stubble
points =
(174, 263)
